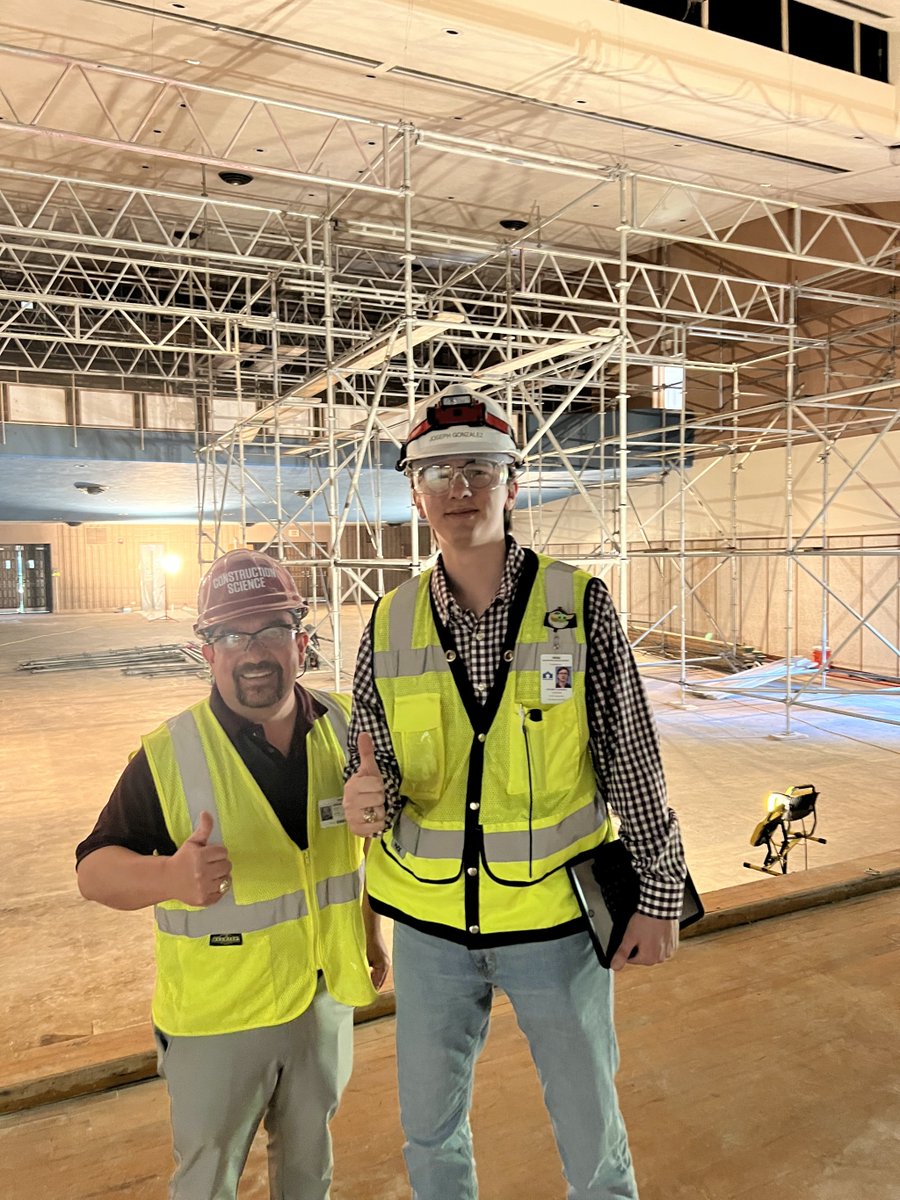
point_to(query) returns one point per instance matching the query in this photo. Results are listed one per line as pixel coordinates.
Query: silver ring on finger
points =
(224, 886)
(369, 815)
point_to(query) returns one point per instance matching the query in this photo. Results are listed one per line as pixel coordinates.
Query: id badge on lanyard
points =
(556, 678)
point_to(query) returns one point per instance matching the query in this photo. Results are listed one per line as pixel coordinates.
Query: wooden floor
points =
(761, 1062)
(75, 978)
(71, 971)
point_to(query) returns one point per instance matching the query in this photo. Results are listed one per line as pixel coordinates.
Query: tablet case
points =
(607, 887)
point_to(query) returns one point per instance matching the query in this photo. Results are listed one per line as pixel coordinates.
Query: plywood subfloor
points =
(759, 1062)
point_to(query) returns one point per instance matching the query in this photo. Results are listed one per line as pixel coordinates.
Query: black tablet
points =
(607, 888)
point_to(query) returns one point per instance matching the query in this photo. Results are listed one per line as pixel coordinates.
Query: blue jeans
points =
(562, 999)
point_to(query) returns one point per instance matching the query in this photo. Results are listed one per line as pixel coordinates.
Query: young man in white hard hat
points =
(228, 821)
(487, 776)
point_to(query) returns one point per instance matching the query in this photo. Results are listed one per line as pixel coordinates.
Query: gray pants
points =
(221, 1087)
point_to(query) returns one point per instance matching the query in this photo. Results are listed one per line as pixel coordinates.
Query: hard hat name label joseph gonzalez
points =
(456, 422)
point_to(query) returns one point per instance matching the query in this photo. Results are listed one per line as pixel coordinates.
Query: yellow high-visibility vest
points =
(252, 958)
(500, 796)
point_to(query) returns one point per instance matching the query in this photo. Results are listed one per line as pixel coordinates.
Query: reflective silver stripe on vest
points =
(402, 614)
(527, 655)
(514, 847)
(225, 916)
(392, 663)
(499, 847)
(559, 586)
(339, 889)
(559, 589)
(335, 714)
(194, 771)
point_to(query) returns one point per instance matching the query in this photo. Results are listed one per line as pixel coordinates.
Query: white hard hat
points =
(458, 421)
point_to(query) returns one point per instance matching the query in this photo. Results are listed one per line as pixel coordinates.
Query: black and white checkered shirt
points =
(623, 738)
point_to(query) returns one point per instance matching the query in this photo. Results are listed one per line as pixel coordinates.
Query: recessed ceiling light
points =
(179, 6)
(859, 137)
(190, 234)
(235, 178)
(92, 489)
(581, 101)
(513, 223)
(157, 131)
(192, 62)
(452, 32)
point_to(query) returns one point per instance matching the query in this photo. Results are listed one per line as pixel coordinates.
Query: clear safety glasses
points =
(436, 479)
(275, 637)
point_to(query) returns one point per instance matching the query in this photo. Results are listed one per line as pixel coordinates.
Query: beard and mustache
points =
(260, 693)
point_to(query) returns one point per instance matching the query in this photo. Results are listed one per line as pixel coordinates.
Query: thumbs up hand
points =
(199, 873)
(364, 793)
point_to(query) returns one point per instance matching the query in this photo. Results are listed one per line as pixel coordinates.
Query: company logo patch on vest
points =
(226, 939)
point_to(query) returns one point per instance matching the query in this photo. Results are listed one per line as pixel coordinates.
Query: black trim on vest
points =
(480, 941)
(399, 862)
(481, 718)
(518, 883)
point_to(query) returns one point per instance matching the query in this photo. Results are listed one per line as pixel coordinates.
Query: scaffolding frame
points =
(326, 323)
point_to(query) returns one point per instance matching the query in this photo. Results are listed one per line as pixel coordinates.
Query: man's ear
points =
(209, 652)
(512, 492)
(302, 641)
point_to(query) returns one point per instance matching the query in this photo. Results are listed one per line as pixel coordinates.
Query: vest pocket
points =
(222, 988)
(545, 749)
(419, 743)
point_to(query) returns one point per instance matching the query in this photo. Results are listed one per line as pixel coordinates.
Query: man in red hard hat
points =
(228, 821)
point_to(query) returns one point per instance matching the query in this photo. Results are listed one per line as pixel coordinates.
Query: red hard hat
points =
(243, 582)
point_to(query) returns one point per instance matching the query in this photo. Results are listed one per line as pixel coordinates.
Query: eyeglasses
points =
(275, 637)
(479, 473)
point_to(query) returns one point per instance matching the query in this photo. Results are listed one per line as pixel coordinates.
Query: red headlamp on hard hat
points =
(473, 413)
(458, 422)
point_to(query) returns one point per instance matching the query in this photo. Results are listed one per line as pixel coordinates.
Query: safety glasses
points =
(436, 479)
(275, 637)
